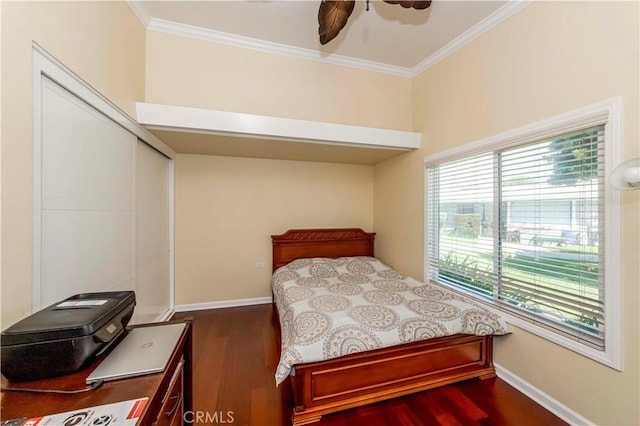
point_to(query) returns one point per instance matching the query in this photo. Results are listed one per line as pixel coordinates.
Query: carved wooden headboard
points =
(336, 242)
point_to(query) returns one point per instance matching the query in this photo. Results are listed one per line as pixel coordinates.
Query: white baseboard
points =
(557, 408)
(223, 304)
(167, 315)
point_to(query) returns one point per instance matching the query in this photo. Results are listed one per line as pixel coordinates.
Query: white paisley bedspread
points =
(334, 307)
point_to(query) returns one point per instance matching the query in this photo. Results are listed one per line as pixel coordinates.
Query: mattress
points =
(334, 307)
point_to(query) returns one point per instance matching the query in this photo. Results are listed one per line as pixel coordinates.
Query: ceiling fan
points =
(333, 15)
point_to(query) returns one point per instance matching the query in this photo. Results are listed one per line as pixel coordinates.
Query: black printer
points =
(64, 337)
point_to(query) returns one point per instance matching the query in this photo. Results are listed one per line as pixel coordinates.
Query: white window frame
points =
(609, 114)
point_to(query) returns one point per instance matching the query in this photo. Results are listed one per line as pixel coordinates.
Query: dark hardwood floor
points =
(235, 355)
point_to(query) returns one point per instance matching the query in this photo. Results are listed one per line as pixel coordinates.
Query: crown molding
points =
(140, 11)
(169, 27)
(488, 23)
(191, 31)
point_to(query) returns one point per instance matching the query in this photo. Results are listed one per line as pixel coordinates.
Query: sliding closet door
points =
(87, 210)
(153, 238)
(102, 208)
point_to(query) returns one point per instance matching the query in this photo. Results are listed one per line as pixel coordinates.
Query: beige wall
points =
(550, 58)
(196, 73)
(227, 208)
(104, 43)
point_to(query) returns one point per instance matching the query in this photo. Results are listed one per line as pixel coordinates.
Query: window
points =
(518, 221)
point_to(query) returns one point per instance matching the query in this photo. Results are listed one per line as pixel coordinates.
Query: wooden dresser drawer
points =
(172, 409)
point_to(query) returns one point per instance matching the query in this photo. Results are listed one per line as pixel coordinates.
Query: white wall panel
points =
(87, 201)
(102, 207)
(86, 251)
(152, 224)
(88, 160)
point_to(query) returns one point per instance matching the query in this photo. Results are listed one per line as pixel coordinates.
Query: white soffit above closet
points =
(202, 131)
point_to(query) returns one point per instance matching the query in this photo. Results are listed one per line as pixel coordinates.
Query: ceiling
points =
(206, 144)
(386, 34)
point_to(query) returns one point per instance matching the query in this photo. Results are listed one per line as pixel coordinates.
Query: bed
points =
(357, 376)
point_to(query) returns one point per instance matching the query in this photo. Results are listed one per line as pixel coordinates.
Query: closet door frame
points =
(45, 65)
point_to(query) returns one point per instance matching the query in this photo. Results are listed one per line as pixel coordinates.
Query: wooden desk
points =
(166, 390)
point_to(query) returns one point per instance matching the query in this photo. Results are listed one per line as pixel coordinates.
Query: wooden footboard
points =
(325, 387)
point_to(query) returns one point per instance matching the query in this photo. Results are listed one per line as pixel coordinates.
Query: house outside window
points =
(523, 221)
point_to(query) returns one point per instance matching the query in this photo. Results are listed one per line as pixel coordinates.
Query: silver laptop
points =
(144, 350)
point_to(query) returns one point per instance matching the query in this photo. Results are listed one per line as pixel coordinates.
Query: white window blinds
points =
(522, 228)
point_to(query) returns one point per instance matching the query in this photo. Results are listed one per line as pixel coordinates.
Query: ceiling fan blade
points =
(408, 4)
(332, 17)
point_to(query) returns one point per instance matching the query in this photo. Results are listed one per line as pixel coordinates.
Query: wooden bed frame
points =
(325, 387)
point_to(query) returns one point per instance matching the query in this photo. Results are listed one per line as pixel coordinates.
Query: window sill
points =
(610, 357)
